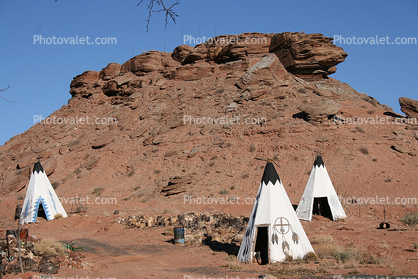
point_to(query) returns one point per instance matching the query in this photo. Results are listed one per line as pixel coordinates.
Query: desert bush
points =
(57, 216)
(369, 259)
(98, 191)
(234, 264)
(325, 251)
(48, 247)
(311, 256)
(252, 148)
(415, 245)
(359, 129)
(55, 185)
(364, 150)
(323, 239)
(288, 258)
(410, 220)
(223, 192)
(387, 108)
(346, 254)
(73, 142)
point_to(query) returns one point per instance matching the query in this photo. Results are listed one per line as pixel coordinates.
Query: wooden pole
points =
(8, 247)
(20, 248)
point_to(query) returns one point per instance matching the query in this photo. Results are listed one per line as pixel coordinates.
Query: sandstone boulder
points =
(143, 63)
(110, 71)
(49, 165)
(191, 72)
(180, 52)
(266, 74)
(80, 84)
(403, 149)
(307, 54)
(15, 181)
(226, 48)
(409, 107)
(102, 140)
(320, 109)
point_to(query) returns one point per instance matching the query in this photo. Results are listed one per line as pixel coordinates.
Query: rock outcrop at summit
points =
(309, 56)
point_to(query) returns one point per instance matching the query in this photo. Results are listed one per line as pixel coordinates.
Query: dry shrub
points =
(364, 150)
(346, 254)
(360, 129)
(410, 220)
(234, 264)
(323, 239)
(325, 251)
(57, 216)
(311, 256)
(48, 247)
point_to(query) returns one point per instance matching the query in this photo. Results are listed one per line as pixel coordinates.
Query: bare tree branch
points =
(8, 86)
(169, 12)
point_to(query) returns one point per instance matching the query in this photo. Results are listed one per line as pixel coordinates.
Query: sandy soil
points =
(112, 251)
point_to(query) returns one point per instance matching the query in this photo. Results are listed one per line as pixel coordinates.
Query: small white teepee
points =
(40, 193)
(319, 196)
(273, 229)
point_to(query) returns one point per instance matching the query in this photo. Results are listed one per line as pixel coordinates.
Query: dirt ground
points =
(113, 251)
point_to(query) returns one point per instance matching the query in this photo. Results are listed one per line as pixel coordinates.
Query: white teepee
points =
(273, 229)
(319, 196)
(40, 192)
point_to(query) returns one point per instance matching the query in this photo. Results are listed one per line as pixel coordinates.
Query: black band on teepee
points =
(38, 167)
(270, 174)
(318, 161)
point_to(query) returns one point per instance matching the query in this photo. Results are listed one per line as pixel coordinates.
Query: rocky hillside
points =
(191, 122)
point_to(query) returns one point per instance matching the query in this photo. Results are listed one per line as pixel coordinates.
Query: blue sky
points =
(39, 75)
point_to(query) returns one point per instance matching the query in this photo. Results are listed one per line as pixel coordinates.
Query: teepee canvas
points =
(319, 197)
(40, 195)
(274, 231)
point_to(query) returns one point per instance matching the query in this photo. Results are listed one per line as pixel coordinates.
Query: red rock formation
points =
(409, 107)
(311, 55)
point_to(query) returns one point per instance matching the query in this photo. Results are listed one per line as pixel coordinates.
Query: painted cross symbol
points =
(283, 225)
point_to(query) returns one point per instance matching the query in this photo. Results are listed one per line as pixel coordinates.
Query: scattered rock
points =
(176, 185)
(90, 164)
(415, 134)
(138, 132)
(103, 140)
(231, 107)
(403, 149)
(194, 151)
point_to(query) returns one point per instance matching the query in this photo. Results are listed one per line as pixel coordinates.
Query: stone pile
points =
(33, 263)
(199, 228)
